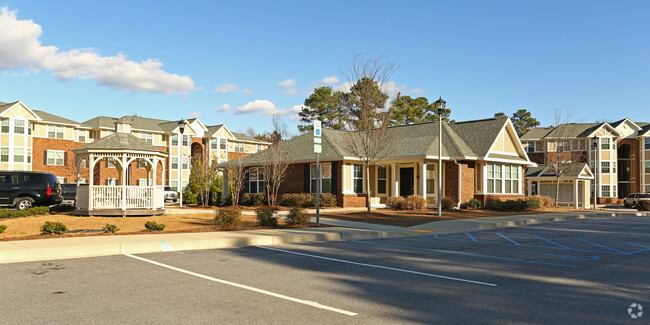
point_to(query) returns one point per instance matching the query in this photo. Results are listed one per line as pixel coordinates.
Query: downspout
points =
(460, 179)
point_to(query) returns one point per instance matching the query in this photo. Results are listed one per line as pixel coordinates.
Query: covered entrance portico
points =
(120, 197)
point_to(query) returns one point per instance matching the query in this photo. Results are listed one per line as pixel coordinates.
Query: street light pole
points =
(181, 128)
(596, 155)
(440, 107)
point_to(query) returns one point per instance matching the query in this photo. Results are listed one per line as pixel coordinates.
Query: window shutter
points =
(306, 180)
(335, 177)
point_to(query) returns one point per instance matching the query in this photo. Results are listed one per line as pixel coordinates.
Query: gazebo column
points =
(154, 183)
(91, 185)
(123, 203)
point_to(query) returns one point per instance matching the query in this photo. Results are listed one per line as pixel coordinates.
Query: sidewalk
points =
(79, 247)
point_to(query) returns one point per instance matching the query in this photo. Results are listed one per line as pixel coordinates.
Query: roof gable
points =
(19, 110)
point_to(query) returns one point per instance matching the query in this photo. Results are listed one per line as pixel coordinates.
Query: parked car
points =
(170, 194)
(69, 191)
(24, 190)
(633, 199)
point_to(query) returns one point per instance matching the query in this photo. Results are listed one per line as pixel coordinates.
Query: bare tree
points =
(565, 155)
(369, 114)
(275, 162)
(236, 173)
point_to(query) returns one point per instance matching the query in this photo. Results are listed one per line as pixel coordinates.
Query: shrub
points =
(154, 226)
(253, 199)
(508, 205)
(227, 218)
(544, 201)
(110, 228)
(266, 216)
(414, 202)
(608, 200)
(189, 197)
(4, 213)
(60, 208)
(297, 216)
(304, 200)
(53, 228)
(474, 204)
(3, 228)
(532, 203)
(327, 200)
(447, 203)
(643, 205)
(396, 203)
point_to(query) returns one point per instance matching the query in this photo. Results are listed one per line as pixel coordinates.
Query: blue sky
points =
(239, 62)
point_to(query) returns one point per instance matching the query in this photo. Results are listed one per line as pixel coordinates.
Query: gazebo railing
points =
(139, 196)
(110, 197)
(107, 197)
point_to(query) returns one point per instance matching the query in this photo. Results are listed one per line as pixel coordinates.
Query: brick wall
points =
(39, 158)
(353, 201)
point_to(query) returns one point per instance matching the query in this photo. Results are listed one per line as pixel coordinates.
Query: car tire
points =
(24, 203)
(625, 204)
(634, 205)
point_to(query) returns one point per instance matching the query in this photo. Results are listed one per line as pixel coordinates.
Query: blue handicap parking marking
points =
(576, 257)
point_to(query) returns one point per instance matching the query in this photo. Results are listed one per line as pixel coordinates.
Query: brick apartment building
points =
(618, 153)
(481, 159)
(35, 140)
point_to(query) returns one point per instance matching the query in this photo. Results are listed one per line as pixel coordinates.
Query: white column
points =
(155, 183)
(123, 182)
(576, 193)
(529, 185)
(91, 185)
(423, 181)
(393, 180)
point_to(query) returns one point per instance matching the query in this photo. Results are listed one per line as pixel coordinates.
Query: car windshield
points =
(167, 188)
(644, 196)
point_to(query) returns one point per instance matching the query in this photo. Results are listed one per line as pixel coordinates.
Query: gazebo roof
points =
(120, 141)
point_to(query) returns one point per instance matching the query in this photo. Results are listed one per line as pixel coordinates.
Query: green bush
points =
(474, 204)
(532, 203)
(3, 228)
(643, 205)
(256, 199)
(227, 218)
(608, 200)
(447, 203)
(266, 216)
(52, 228)
(304, 200)
(396, 202)
(414, 202)
(328, 200)
(189, 197)
(61, 208)
(297, 216)
(154, 226)
(110, 228)
(544, 201)
(4, 213)
(508, 205)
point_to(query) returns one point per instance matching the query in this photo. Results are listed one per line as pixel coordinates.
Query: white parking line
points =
(381, 267)
(273, 294)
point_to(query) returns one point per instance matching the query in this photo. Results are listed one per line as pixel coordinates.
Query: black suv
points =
(24, 190)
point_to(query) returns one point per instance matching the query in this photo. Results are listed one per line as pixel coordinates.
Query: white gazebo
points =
(121, 149)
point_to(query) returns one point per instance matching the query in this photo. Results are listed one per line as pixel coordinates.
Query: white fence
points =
(110, 197)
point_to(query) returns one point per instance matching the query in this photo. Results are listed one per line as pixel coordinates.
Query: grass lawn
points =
(407, 218)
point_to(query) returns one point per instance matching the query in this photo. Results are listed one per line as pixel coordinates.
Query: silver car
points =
(170, 194)
(633, 199)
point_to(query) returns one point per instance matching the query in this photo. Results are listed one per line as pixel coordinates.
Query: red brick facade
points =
(467, 169)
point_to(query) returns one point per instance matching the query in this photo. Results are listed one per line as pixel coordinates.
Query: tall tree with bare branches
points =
(563, 154)
(203, 177)
(369, 114)
(236, 173)
(276, 161)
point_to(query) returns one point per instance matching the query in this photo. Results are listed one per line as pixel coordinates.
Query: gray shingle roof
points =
(213, 129)
(535, 134)
(47, 117)
(120, 141)
(244, 137)
(574, 130)
(572, 172)
(137, 123)
(460, 140)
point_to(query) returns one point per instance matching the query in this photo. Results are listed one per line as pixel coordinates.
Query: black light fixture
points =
(440, 106)
(181, 126)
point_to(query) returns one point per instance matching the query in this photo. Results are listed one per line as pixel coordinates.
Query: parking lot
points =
(580, 272)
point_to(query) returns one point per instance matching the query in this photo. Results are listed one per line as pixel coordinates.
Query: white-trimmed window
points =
(4, 154)
(239, 146)
(605, 143)
(647, 188)
(562, 145)
(174, 184)
(19, 155)
(357, 178)
(325, 175)
(142, 164)
(494, 180)
(110, 163)
(381, 179)
(604, 167)
(431, 179)
(174, 139)
(82, 135)
(258, 147)
(4, 125)
(174, 162)
(111, 181)
(214, 144)
(530, 146)
(646, 143)
(605, 191)
(223, 144)
(142, 182)
(511, 179)
(646, 165)
(55, 157)
(256, 180)
(55, 131)
(503, 179)
(186, 140)
(146, 137)
(186, 163)
(19, 126)
(83, 180)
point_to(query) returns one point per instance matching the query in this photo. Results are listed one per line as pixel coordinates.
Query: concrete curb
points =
(65, 248)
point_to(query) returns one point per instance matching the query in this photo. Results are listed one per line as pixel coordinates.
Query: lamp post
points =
(595, 171)
(440, 107)
(181, 128)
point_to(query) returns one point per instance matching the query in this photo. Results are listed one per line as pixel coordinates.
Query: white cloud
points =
(345, 87)
(20, 47)
(247, 92)
(332, 80)
(222, 108)
(257, 106)
(193, 115)
(225, 88)
(290, 86)
(391, 87)
(417, 91)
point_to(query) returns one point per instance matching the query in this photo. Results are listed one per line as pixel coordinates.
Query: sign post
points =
(317, 149)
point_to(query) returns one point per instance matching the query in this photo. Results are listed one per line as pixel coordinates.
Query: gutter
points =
(460, 178)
